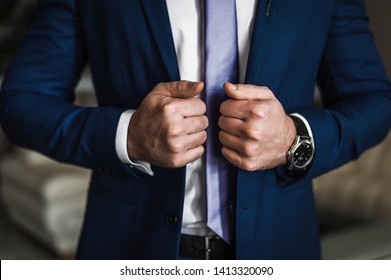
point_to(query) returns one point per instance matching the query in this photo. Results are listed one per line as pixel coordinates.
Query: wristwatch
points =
(301, 153)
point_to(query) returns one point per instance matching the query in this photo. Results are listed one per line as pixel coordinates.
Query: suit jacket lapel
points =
(157, 16)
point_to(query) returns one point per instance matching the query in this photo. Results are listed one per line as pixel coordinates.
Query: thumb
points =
(247, 92)
(179, 89)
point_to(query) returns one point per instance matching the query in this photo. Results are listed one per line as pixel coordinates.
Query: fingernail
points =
(196, 85)
(234, 86)
(229, 85)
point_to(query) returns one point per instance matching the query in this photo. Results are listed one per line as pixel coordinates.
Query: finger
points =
(182, 143)
(232, 125)
(195, 124)
(232, 156)
(235, 108)
(244, 109)
(194, 154)
(244, 147)
(231, 141)
(175, 110)
(236, 159)
(191, 107)
(194, 140)
(246, 91)
(181, 159)
(179, 89)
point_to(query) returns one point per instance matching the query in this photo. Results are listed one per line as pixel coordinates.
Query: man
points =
(146, 140)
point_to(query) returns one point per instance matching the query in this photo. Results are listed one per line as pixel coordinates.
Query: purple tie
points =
(221, 65)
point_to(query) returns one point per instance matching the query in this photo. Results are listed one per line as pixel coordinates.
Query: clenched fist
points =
(168, 129)
(256, 133)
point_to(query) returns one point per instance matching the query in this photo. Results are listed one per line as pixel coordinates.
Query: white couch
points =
(362, 187)
(354, 205)
(45, 198)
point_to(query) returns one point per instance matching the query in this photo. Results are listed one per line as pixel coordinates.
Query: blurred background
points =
(42, 202)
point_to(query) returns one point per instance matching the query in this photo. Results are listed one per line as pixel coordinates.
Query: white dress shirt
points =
(186, 19)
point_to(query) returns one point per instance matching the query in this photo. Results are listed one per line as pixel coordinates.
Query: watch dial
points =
(302, 155)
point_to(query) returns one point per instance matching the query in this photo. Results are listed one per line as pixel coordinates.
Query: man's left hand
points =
(256, 132)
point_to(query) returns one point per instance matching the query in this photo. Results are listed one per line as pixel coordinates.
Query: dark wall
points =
(379, 12)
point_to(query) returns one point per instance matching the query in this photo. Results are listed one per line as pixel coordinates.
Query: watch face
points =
(302, 154)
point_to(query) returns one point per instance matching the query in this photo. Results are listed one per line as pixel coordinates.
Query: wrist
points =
(131, 142)
(292, 132)
(122, 145)
(290, 136)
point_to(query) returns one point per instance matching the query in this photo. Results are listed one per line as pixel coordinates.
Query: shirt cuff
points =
(121, 140)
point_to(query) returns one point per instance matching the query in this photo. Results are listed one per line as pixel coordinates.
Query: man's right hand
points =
(168, 129)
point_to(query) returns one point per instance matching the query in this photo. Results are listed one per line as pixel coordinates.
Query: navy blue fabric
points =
(129, 47)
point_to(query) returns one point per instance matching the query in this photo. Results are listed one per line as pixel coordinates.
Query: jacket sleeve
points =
(356, 94)
(36, 100)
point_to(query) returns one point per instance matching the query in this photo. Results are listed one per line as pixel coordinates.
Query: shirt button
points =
(172, 219)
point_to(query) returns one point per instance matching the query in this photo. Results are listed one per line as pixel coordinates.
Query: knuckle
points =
(199, 105)
(203, 106)
(205, 121)
(159, 86)
(220, 121)
(197, 123)
(171, 163)
(180, 86)
(224, 120)
(249, 148)
(249, 165)
(204, 136)
(252, 131)
(222, 136)
(175, 146)
(168, 109)
(200, 152)
(265, 88)
(174, 130)
(200, 123)
(223, 106)
(269, 91)
(258, 111)
(174, 161)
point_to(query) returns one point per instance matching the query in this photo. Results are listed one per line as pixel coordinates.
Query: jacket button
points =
(172, 219)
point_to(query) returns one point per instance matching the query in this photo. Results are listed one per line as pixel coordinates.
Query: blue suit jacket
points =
(129, 46)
